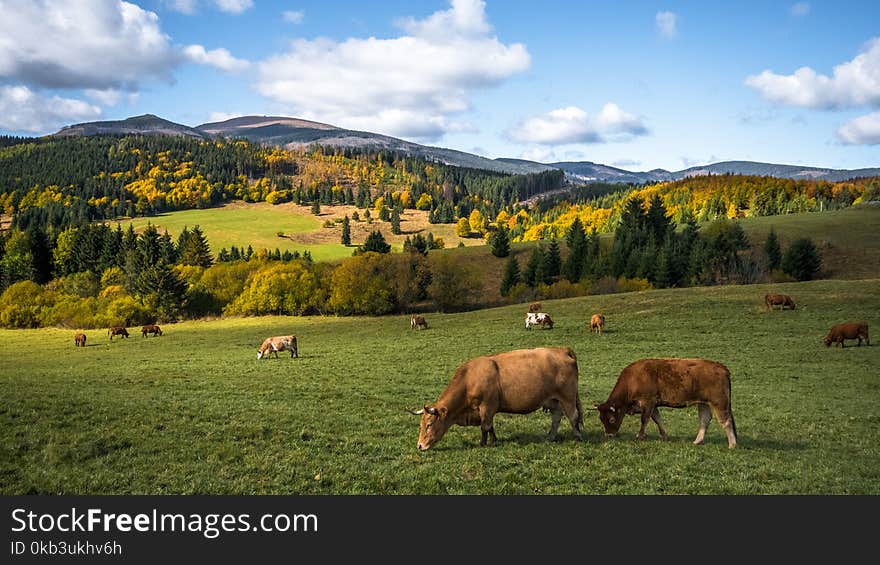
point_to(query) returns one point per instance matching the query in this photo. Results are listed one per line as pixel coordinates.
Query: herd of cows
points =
(523, 380)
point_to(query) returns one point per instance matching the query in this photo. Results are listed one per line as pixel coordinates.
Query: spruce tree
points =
(346, 231)
(195, 250)
(500, 242)
(511, 275)
(801, 260)
(772, 250)
(552, 262)
(376, 242)
(395, 222)
(534, 268)
(316, 207)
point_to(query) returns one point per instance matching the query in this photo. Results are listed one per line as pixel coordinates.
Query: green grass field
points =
(242, 225)
(194, 411)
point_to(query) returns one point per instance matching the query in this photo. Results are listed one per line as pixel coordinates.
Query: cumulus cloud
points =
(800, 9)
(22, 109)
(293, 16)
(412, 85)
(539, 155)
(218, 58)
(233, 6)
(574, 125)
(864, 130)
(667, 24)
(853, 83)
(97, 44)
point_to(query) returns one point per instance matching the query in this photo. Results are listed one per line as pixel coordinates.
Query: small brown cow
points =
(597, 322)
(418, 323)
(151, 329)
(514, 382)
(117, 330)
(79, 340)
(647, 384)
(848, 330)
(276, 344)
(781, 300)
(535, 307)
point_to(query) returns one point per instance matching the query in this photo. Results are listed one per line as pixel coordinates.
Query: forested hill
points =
(62, 181)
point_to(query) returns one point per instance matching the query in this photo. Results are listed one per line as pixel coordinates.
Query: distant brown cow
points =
(117, 330)
(276, 344)
(151, 329)
(79, 340)
(597, 322)
(514, 382)
(535, 307)
(647, 384)
(781, 300)
(849, 330)
(418, 323)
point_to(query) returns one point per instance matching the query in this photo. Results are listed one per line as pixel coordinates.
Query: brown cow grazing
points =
(849, 330)
(79, 340)
(117, 330)
(515, 382)
(276, 344)
(781, 300)
(151, 329)
(418, 323)
(597, 322)
(535, 307)
(647, 384)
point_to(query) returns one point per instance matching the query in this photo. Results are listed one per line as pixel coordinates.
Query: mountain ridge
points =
(294, 133)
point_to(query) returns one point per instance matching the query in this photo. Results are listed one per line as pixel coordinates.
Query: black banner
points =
(233, 529)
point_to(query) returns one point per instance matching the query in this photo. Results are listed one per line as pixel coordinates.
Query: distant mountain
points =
(148, 124)
(295, 133)
(586, 171)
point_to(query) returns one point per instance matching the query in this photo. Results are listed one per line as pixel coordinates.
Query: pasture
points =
(194, 411)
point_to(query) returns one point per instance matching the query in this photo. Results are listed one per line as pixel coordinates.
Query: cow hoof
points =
(641, 437)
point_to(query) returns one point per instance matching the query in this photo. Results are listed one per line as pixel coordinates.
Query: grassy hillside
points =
(258, 224)
(193, 411)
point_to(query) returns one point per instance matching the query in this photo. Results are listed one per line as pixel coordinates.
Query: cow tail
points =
(730, 406)
(580, 415)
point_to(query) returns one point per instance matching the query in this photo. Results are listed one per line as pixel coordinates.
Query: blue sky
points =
(639, 84)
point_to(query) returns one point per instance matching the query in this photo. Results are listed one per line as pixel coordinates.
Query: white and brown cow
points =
(538, 319)
(276, 344)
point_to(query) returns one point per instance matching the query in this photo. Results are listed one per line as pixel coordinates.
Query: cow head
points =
(260, 354)
(611, 417)
(827, 340)
(433, 425)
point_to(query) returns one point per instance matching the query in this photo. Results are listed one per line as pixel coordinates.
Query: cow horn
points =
(431, 410)
(415, 412)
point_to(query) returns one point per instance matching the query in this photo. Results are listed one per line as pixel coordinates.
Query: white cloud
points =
(97, 44)
(864, 130)
(854, 83)
(233, 6)
(293, 16)
(800, 9)
(223, 116)
(21, 109)
(667, 24)
(628, 164)
(111, 96)
(190, 7)
(410, 86)
(219, 58)
(574, 125)
(539, 155)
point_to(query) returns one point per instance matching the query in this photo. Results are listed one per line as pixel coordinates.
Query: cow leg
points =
(556, 413)
(574, 416)
(725, 418)
(655, 415)
(646, 415)
(487, 426)
(705, 418)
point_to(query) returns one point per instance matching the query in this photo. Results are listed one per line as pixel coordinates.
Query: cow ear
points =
(443, 412)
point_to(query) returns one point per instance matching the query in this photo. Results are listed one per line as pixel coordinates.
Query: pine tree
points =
(511, 275)
(552, 264)
(346, 231)
(772, 250)
(376, 242)
(534, 268)
(395, 222)
(500, 242)
(801, 260)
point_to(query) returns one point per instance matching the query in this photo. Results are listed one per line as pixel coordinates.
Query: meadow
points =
(194, 411)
